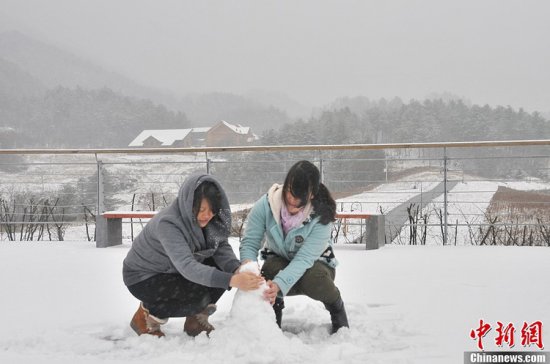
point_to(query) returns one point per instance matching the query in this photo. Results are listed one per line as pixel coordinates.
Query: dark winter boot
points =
(338, 315)
(278, 308)
(198, 323)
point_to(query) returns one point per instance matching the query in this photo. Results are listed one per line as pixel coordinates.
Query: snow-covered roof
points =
(167, 137)
(239, 129)
(201, 130)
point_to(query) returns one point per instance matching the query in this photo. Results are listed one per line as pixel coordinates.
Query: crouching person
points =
(181, 263)
(294, 219)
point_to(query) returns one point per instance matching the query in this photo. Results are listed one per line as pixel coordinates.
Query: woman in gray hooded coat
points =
(181, 263)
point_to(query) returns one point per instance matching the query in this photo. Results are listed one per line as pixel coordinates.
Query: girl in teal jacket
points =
(295, 221)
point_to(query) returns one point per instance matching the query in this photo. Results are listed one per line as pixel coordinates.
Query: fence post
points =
(321, 167)
(386, 165)
(101, 223)
(207, 163)
(445, 195)
(100, 187)
(375, 232)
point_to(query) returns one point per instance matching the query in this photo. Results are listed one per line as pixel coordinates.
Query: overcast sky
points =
(488, 51)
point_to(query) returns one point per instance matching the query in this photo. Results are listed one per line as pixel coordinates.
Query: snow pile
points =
(249, 307)
(252, 326)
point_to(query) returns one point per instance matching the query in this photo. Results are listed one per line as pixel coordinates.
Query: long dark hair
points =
(207, 190)
(303, 180)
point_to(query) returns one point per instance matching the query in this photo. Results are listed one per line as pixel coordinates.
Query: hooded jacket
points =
(302, 246)
(173, 242)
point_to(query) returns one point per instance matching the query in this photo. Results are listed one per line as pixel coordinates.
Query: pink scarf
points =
(288, 221)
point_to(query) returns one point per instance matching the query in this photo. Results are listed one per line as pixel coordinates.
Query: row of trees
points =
(64, 117)
(81, 118)
(493, 229)
(364, 122)
(356, 121)
(28, 217)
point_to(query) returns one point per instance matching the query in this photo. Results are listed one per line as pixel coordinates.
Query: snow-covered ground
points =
(390, 194)
(64, 302)
(467, 203)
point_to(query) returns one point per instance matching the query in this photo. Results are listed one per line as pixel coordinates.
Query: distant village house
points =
(222, 134)
(226, 134)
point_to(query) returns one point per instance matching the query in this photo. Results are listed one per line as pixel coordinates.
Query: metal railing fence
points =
(444, 193)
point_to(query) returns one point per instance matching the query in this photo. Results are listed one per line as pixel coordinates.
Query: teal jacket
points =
(302, 246)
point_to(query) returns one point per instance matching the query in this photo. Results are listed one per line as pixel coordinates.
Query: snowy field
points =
(390, 194)
(467, 200)
(467, 203)
(64, 302)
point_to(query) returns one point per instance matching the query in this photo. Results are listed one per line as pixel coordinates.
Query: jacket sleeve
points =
(314, 245)
(254, 232)
(176, 247)
(225, 257)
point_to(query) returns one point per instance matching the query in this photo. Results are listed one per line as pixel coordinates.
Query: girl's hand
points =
(247, 281)
(271, 292)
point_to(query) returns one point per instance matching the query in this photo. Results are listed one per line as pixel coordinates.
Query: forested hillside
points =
(52, 98)
(79, 118)
(206, 109)
(429, 121)
(362, 121)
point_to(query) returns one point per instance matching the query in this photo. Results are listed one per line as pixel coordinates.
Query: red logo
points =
(531, 334)
(505, 334)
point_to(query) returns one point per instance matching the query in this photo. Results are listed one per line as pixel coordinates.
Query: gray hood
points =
(218, 229)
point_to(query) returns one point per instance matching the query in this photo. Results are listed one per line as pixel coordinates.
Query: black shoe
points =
(338, 315)
(278, 308)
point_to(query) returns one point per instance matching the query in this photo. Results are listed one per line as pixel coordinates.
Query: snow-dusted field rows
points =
(467, 203)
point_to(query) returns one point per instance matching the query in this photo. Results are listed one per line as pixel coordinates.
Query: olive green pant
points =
(316, 283)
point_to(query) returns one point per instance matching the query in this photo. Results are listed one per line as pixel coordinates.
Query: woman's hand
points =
(271, 292)
(247, 281)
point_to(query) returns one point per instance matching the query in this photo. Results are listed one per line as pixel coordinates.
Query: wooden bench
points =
(109, 227)
(372, 228)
